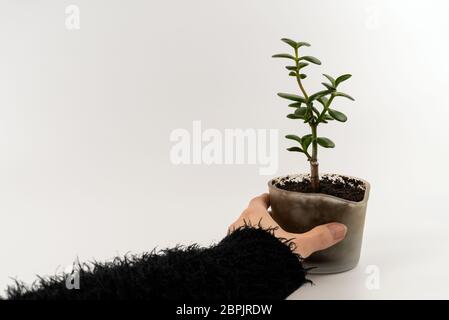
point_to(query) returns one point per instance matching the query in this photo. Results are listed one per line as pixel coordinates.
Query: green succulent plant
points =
(312, 109)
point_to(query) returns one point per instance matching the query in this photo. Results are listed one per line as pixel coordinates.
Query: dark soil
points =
(348, 189)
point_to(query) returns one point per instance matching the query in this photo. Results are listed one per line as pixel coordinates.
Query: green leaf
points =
(319, 94)
(342, 78)
(292, 74)
(293, 137)
(317, 112)
(311, 59)
(323, 100)
(284, 55)
(341, 94)
(291, 68)
(302, 65)
(305, 44)
(293, 97)
(302, 76)
(337, 115)
(327, 117)
(301, 111)
(306, 141)
(293, 116)
(290, 42)
(295, 149)
(325, 142)
(332, 80)
(295, 105)
(328, 86)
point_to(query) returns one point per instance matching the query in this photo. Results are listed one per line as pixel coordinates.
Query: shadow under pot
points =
(300, 210)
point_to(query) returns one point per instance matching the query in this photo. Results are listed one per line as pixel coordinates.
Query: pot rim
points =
(321, 195)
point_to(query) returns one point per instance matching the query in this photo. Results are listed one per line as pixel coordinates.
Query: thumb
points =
(320, 238)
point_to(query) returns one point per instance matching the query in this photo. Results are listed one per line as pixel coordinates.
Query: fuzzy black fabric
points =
(249, 263)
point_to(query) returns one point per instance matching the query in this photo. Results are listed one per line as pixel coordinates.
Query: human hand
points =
(319, 238)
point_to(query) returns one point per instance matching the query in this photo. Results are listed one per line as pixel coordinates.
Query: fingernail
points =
(338, 230)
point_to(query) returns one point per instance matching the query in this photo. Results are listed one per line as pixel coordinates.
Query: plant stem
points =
(314, 175)
(299, 79)
(326, 107)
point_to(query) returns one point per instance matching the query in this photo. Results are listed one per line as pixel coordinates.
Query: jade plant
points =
(313, 109)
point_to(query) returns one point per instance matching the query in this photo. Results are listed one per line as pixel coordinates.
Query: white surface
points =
(85, 119)
(408, 268)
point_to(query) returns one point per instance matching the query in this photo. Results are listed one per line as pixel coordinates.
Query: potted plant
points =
(300, 202)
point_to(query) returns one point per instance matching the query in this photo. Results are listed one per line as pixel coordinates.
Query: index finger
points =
(262, 201)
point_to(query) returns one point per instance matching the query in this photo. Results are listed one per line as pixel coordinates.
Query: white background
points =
(85, 119)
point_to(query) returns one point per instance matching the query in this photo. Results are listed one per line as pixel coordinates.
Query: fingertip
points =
(261, 200)
(337, 230)
(265, 197)
(322, 237)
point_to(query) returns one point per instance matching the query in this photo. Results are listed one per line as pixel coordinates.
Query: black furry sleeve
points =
(249, 263)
